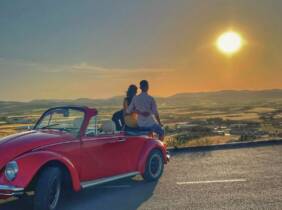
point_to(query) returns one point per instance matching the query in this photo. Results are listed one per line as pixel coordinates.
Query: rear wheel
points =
(48, 189)
(154, 166)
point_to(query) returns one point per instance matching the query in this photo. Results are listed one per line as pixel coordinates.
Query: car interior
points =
(108, 127)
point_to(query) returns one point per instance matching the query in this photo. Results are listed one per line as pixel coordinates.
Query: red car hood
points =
(17, 144)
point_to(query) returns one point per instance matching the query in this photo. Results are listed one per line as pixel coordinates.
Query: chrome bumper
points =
(6, 190)
(168, 156)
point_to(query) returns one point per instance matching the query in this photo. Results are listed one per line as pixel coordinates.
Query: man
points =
(145, 105)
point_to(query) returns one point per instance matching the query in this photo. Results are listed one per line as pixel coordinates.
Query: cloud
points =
(88, 68)
(82, 68)
(98, 69)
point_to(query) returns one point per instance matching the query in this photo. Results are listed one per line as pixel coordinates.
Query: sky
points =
(71, 49)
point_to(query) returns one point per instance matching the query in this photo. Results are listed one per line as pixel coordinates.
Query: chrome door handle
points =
(121, 139)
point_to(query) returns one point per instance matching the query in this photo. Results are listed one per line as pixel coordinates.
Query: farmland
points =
(189, 120)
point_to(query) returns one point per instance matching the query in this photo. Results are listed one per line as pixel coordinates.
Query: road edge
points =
(233, 145)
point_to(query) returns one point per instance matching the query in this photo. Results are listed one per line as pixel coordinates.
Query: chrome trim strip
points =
(11, 190)
(55, 144)
(108, 179)
(12, 194)
(100, 138)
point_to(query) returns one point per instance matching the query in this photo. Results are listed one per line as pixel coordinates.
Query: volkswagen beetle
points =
(70, 147)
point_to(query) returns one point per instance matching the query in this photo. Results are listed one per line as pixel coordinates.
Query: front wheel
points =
(48, 189)
(154, 166)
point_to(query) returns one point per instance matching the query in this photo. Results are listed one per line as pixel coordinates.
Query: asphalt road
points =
(242, 178)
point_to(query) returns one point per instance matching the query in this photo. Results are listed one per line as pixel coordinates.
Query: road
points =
(242, 178)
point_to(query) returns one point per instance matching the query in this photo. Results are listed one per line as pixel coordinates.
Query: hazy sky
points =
(91, 48)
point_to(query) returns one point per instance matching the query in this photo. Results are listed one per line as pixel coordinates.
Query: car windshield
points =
(63, 119)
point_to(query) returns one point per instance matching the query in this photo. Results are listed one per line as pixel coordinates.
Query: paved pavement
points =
(241, 178)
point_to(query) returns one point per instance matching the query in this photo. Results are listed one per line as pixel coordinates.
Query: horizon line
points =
(116, 96)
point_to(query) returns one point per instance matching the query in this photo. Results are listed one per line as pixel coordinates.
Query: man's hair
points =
(144, 84)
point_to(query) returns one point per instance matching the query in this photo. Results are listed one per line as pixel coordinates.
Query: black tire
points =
(48, 189)
(154, 166)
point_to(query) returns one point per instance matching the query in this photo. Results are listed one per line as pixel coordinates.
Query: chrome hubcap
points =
(54, 194)
(155, 165)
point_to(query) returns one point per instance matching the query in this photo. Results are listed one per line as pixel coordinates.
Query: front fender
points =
(147, 149)
(30, 164)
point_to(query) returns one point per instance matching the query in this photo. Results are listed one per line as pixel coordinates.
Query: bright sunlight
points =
(229, 42)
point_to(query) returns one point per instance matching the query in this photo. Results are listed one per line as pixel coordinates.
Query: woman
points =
(120, 117)
(131, 92)
(130, 120)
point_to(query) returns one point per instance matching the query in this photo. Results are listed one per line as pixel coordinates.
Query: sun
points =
(229, 42)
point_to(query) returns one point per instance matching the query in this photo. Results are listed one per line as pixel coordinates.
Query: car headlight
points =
(11, 170)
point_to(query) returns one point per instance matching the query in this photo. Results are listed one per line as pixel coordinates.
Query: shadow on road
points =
(127, 194)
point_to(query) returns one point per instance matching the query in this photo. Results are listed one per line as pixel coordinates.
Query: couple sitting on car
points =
(139, 112)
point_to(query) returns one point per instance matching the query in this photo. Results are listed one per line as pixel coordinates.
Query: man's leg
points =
(158, 130)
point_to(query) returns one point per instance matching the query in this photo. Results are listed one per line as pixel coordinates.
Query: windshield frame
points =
(60, 108)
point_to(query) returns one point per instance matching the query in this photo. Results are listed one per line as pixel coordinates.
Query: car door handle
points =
(121, 140)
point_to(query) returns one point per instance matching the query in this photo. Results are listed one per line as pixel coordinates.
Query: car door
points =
(129, 148)
(100, 157)
(106, 155)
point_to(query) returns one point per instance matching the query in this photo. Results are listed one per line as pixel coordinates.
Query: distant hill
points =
(219, 98)
(227, 97)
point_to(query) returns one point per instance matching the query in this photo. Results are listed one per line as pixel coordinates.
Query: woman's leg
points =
(118, 120)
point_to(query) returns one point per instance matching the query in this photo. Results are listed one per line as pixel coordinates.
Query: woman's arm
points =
(125, 105)
(131, 108)
(145, 114)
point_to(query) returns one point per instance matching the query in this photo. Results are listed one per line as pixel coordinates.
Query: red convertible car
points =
(70, 147)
